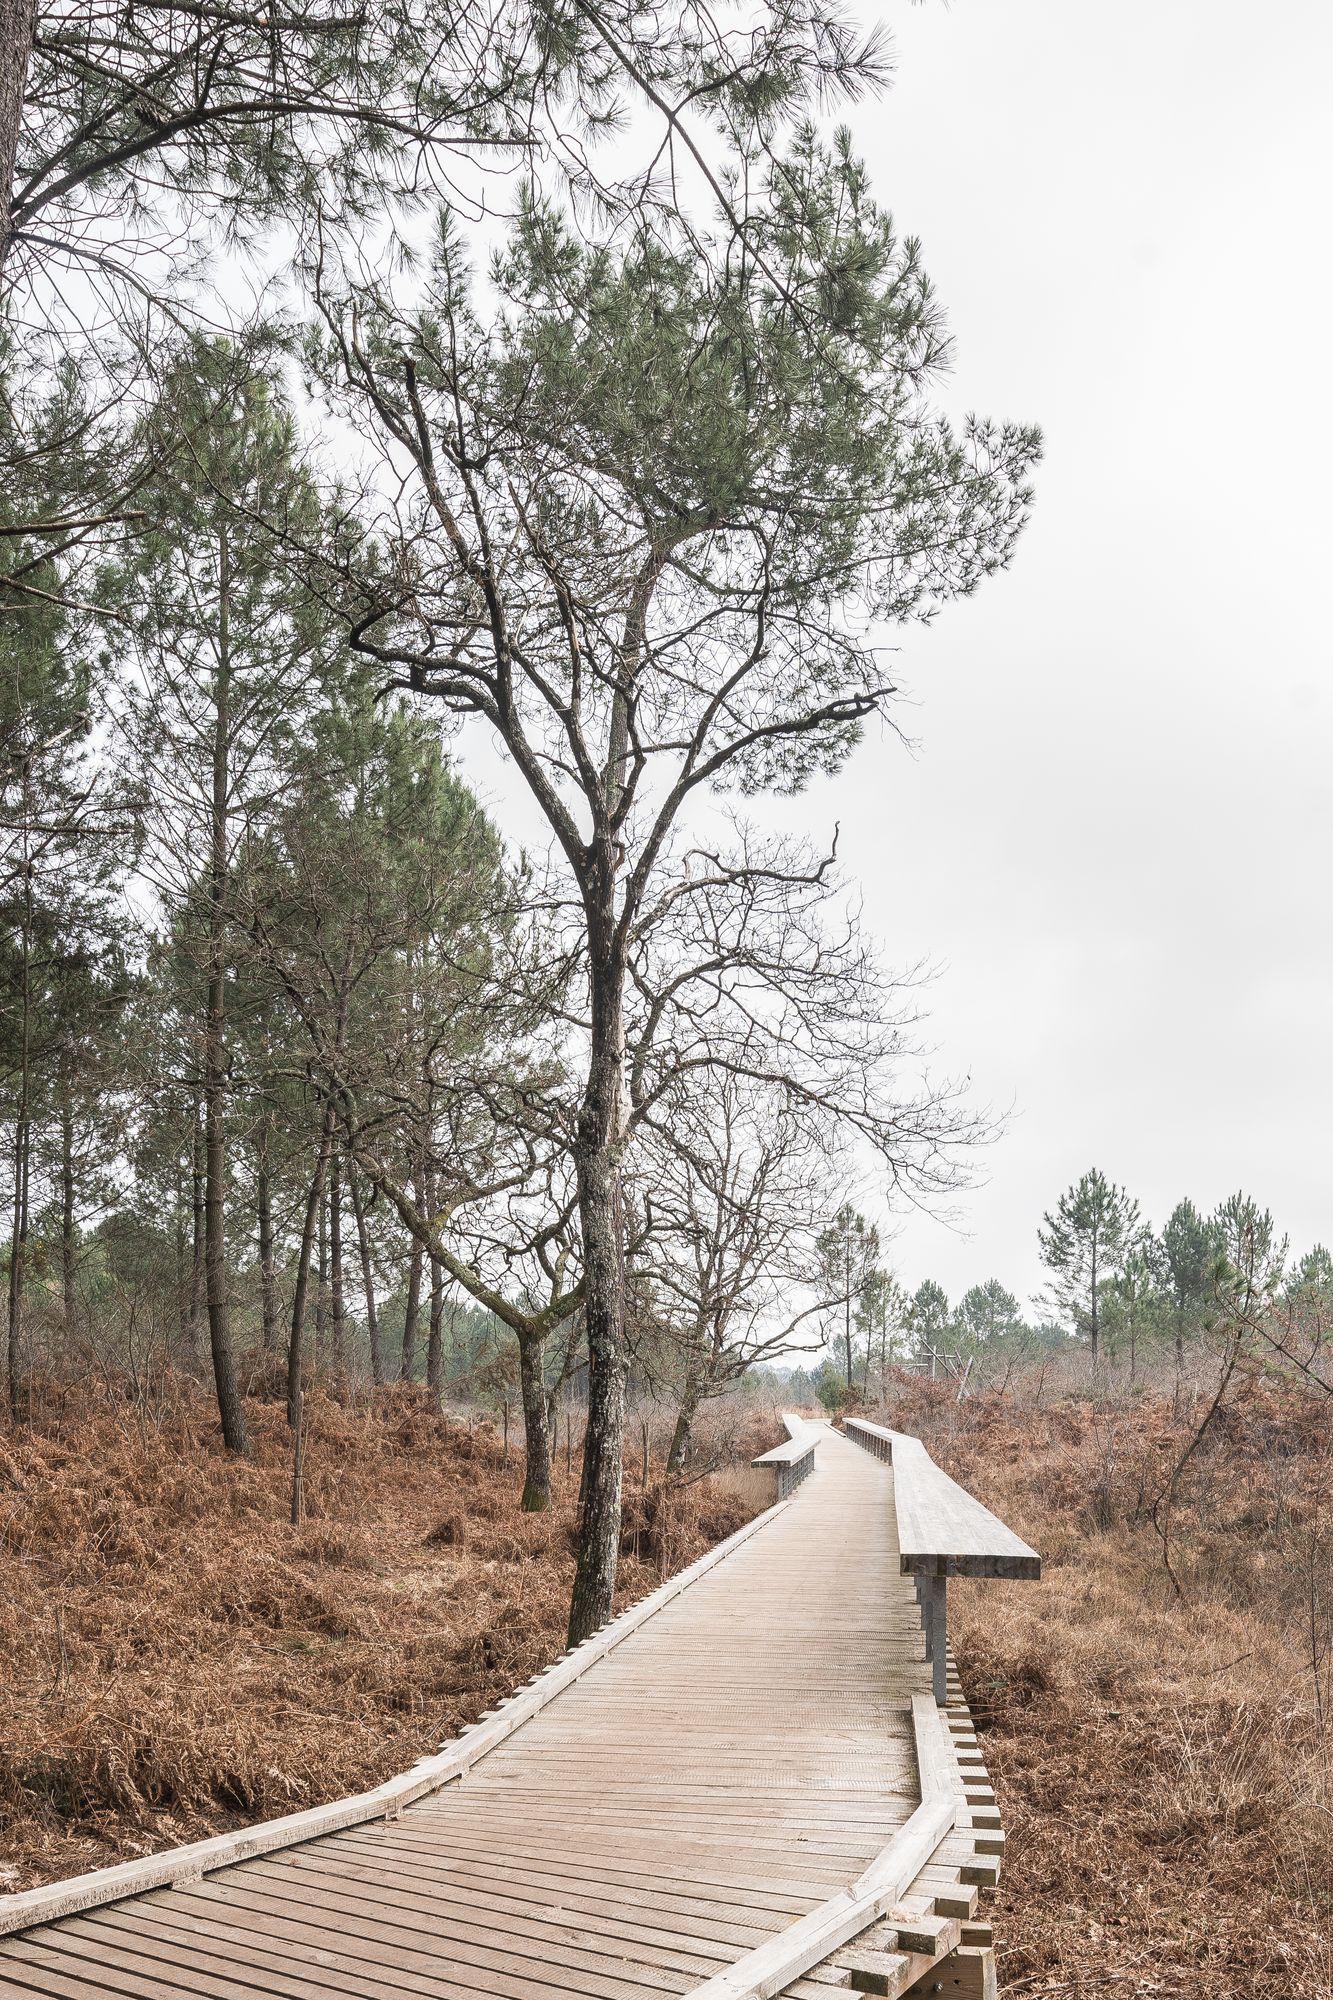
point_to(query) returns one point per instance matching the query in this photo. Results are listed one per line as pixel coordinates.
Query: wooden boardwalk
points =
(739, 1758)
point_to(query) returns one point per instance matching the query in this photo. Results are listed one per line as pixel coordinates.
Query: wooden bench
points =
(791, 1461)
(942, 1532)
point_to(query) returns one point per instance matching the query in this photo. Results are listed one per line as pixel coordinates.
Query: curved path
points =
(740, 1757)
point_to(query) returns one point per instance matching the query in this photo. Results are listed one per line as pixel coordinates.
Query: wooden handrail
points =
(942, 1532)
(792, 1460)
(773, 1965)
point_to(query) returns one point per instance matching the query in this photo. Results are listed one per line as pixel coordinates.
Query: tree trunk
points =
(536, 1426)
(18, 1241)
(682, 1435)
(296, 1341)
(18, 23)
(322, 1281)
(336, 1309)
(67, 1259)
(367, 1280)
(435, 1346)
(197, 1180)
(408, 1365)
(847, 1303)
(230, 1408)
(602, 1222)
(268, 1297)
(182, 1267)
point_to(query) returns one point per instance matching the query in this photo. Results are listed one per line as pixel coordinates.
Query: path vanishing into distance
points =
(753, 1782)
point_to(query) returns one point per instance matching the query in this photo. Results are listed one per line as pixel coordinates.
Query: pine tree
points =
(848, 1254)
(1192, 1253)
(988, 1314)
(930, 1320)
(232, 657)
(1084, 1241)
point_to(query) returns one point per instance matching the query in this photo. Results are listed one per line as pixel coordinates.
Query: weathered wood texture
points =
(942, 1530)
(736, 1762)
(794, 1459)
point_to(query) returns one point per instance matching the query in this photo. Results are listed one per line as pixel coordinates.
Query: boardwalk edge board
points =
(773, 1965)
(202, 1857)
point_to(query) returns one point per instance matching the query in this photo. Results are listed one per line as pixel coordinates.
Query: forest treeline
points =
(1207, 1286)
(378, 387)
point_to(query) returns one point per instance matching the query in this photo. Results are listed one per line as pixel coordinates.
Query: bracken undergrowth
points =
(177, 1659)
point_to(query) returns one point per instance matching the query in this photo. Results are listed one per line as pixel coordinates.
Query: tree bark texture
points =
(683, 1435)
(536, 1427)
(336, 1307)
(322, 1276)
(18, 24)
(268, 1295)
(602, 1224)
(197, 1183)
(435, 1345)
(68, 1262)
(408, 1364)
(296, 1341)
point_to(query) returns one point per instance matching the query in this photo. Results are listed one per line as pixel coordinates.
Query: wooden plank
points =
(771, 1967)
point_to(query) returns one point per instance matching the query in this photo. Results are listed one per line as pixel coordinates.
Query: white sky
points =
(1114, 835)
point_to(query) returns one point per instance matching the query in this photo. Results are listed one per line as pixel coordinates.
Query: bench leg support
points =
(937, 1642)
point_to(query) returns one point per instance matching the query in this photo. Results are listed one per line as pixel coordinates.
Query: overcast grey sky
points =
(1115, 836)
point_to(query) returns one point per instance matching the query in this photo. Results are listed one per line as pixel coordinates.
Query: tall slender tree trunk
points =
(435, 1344)
(198, 1180)
(597, 1156)
(847, 1302)
(182, 1264)
(296, 1340)
(337, 1312)
(268, 1292)
(536, 1425)
(18, 1238)
(322, 1279)
(408, 1366)
(230, 1408)
(18, 25)
(68, 1261)
(18, 1252)
(367, 1279)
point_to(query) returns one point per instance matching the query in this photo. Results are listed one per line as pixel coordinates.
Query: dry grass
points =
(177, 1658)
(1164, 1775)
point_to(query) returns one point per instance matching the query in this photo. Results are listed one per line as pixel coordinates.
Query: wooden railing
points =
(773, 1965)
(794, 1459)
(942, 1532)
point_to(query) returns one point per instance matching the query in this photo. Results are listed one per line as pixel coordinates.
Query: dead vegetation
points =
(1163, 1761)
(176, 1658)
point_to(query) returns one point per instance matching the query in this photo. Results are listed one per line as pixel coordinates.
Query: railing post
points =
(938, 1642)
